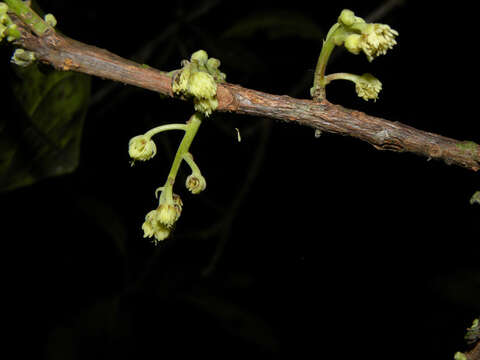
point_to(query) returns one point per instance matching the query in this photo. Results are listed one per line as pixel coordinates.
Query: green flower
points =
(371, 38)
(153, 227)
(202, 85)
(198, 79)
(141, 148)
(348, 18)
(367, 87)
(23, 57)
(196, 183)
(50, 20)
(376, 39)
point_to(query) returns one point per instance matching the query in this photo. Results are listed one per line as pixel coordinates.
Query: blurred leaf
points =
(43, 138)
(276, 25)
(237, 321)
(94, 331)
(107, 219)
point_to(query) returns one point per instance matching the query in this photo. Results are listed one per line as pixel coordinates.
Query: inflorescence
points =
(197, 79)
(357, 36)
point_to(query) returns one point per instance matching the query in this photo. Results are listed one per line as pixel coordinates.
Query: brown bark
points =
(474, 354)
(67, 54)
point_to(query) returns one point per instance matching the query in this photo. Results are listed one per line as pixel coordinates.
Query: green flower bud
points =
(198, 78)
(475, 199)
(200, 56)
(141, 148)
(352, 43)
(50, 20)
(196, 183)
(347, 17)
(3, 8)
(22, 57)
(213, 64)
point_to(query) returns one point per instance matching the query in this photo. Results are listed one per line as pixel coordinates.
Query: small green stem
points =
(191, 130)
(28, 16)
(167, 127)
(189, 160)
(319, 77)
(340, 76)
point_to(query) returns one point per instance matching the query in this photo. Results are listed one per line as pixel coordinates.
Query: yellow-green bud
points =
(3, 8)
(22, 57)
(475, 199)
(50, 20)
(460, 356)
(196, 183)
(352, 43)
(347, 17)
(213, 64)
(212, 68)
(141, 148)
(198, 78)
(200, 57)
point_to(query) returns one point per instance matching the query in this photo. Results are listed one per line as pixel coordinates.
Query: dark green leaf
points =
(42, 138)
(276, 25)
(239, 322)
(106, 218)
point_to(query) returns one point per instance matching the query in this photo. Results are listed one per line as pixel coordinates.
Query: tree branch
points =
(67, 54)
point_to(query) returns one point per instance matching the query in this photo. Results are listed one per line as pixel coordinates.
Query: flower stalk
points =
(159, 222)
(357, 36)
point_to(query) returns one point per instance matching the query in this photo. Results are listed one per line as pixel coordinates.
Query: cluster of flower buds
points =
(357, 36)
(160, 221)
(372, 39)
(198, 78)
(7, 28)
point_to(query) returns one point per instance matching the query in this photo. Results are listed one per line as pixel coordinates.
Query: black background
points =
(300, 246)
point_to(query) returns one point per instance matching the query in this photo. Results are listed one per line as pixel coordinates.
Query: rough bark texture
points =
(474, 354)
(67, 54)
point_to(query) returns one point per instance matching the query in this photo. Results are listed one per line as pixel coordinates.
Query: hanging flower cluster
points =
(160, 221)
(357, 36)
